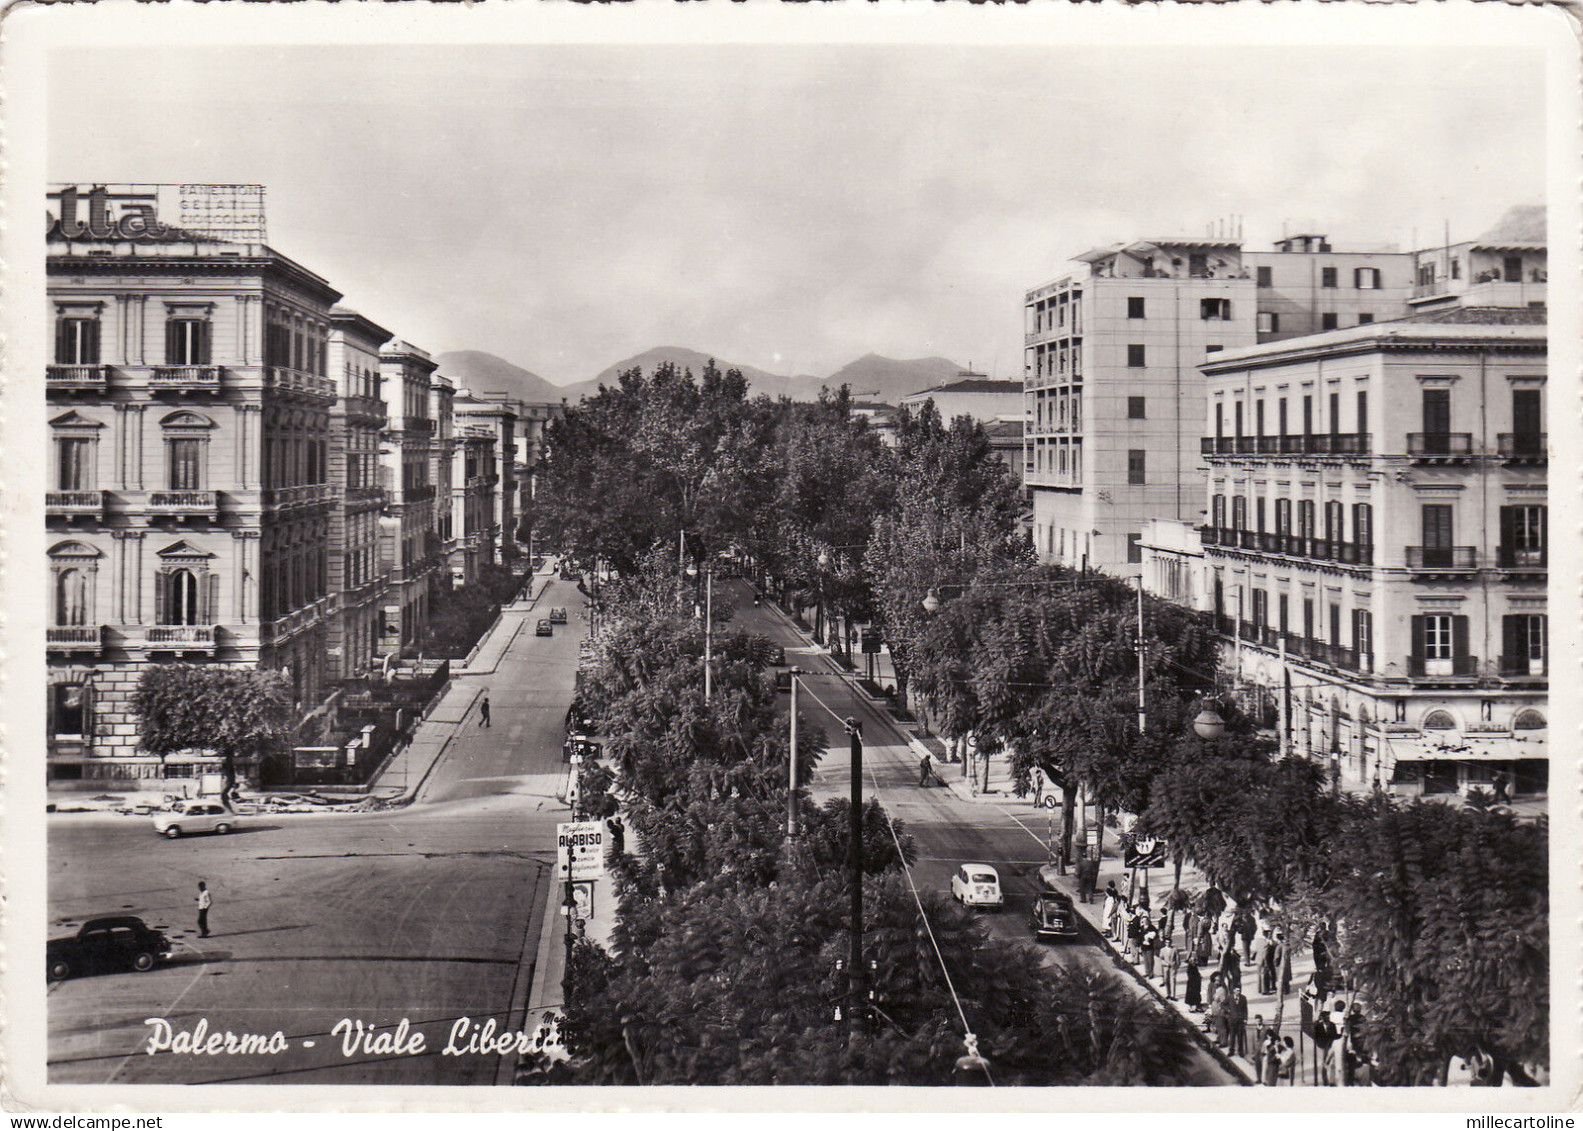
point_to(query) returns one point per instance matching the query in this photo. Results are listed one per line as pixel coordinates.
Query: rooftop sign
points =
(157, 213)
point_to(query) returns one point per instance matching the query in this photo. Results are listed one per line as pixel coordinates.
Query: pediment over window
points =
(185, 419)
(184, 551)
(79, 550)
(75, 420)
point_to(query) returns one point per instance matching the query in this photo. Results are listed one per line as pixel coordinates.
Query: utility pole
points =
(709, 630)
(791, 768)
(1283, 738)
(1142, 717)
(855, 864)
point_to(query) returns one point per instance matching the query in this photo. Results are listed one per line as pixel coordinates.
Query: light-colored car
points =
(977, 885)
(195, 817)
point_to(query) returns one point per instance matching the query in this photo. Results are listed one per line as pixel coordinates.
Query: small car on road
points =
(569, 572)
(978, 886)
(1053, 916)
(558, 615)
(544, 628)
(194, 817)
(116, 942)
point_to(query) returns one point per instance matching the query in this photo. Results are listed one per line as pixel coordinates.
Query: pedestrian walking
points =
(1244, 926)
(205, 901)
(1220, 1011)
(1112, 896)
(1192, 992)
(1269, 1057)
(923, 770)
(1264, 959)
(483, 710)
(1325, 1036)
(1170, 962)
(1502, 784)
(1149, 943)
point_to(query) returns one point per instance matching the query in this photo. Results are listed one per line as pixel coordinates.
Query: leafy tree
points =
(241, 714)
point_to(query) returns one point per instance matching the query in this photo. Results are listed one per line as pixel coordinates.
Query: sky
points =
(784, 206)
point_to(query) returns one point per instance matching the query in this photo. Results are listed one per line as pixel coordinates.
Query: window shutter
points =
(1544, 534)
(1514, 638)
(1459, 638)
(90, 342)
(1418, 643)
(63, 352)
(211, 602)
(160, 583)
(172, 342)
(87, 712)
(201, 346)
(1508, 528)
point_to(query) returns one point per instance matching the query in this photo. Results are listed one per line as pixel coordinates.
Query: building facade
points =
(1376, 541)
(409, 538)
(971, 394)
(499, 416)
(1112, 388)
(189, 507)
(357, 568)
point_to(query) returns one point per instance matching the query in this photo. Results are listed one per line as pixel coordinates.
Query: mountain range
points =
(878, 378)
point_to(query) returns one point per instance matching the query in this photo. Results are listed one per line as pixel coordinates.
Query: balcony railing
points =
(371, 408)
(1248, 539)
(1523, 667)
(418, 424)
(1513, 557)
(1327, 444)
(1353, 553)
(1523, 446)
(302, 494)
(1269, 543)
(1318, 549)
(184, 377)
(1442, 557)
(71, 503)
(1440, 445)
(75, 637)
(1337, 444)
(183, 503)
(1209, 535)
(297, 381)
(1268, 445)
(182, 634)
(1456, 667)
(76, 376)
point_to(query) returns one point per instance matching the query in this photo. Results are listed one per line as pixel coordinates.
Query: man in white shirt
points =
(205, 901)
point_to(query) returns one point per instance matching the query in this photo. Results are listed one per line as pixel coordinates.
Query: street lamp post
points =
(791, 768)
(855, 862)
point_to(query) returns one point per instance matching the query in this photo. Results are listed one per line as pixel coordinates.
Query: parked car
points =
(195, 817)
(544, 628)
(977, 885)
(1053, 916)
(116, 942)
(558, 615)
(569, 572)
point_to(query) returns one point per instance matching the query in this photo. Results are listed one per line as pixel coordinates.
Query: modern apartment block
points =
(1112, 388)
(190, 507)
(1376, 541)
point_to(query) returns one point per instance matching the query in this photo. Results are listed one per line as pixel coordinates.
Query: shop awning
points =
(1455, 747)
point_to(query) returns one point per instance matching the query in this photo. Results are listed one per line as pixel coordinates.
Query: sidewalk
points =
(403, 776)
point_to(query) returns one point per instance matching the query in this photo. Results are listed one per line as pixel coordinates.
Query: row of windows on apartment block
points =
(189, 341)
(1527, 414)
(1439, 641)
(1053, 411)
(1523, 529)
(1510, 271)
(288, 462)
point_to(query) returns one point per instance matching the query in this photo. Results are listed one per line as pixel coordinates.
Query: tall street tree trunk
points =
(1068, 816)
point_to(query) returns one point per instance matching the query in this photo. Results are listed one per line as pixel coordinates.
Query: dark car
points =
(117, 942)
(558, 615)
(544, 628)
(1053, 916)
(569, 572)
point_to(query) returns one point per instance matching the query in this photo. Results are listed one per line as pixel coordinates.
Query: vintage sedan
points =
(198, 816)
(977, 885)
(115, 942)
(544, 628)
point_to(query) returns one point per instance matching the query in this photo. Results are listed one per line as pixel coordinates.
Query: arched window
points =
(1528, 720)
(181, 598)
(1439, 720)
(71, 597)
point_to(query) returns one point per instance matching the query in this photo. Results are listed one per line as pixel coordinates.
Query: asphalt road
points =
(430, 913)
(1009, 834)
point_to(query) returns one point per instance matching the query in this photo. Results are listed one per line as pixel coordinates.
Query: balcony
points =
(366, 408)
(1523, 667)
(1522, 559)
(1269, 445)
(283, 379)
(183, 504)
(1442, 559)
(1440, 447)
(1209, 535)
(1269, 543)
(92, 378)
(179, 635)
(1455, 667)
(1353, 553)
(1337, 444)
(74, 504)
(185, 378)
(1318, 549)
(1523, 447)
(301, 495)
(421, 425)
(75, 638)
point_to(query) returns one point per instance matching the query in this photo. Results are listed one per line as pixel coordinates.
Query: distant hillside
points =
(480, 372)
(1523, 223)
(885, 379)
(892, 379)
